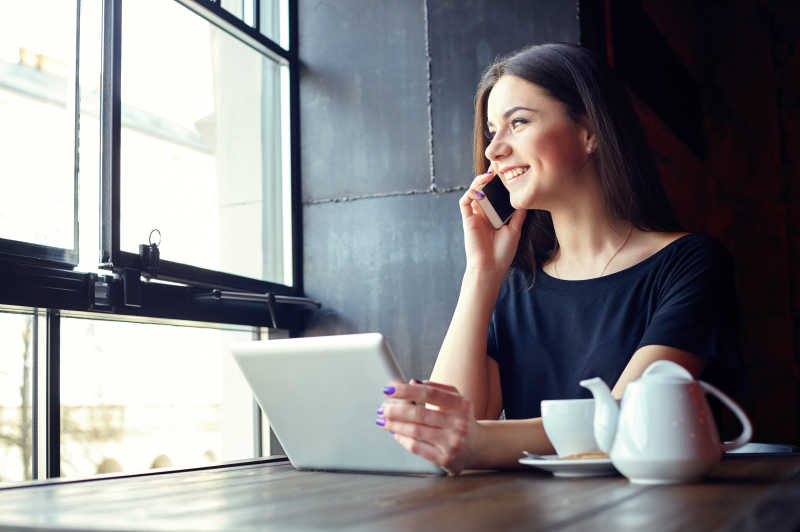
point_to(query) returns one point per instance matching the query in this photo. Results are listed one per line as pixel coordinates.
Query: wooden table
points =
(742, 493)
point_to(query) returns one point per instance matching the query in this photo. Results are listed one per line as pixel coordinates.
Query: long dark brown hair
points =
(586, 85)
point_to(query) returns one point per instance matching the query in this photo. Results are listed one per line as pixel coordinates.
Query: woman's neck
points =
(589, 238)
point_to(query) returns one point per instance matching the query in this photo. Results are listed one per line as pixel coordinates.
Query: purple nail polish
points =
(380, 421)
(380, 411)
(388, 390)
(480, 194)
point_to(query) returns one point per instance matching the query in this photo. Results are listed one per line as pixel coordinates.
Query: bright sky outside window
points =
(37, 137)
(136, 396)
(16, 396)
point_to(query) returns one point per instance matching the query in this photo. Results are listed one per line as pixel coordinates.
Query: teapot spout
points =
(606, 413)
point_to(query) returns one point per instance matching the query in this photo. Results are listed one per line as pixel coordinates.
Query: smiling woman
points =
(582, 96)
(592, 276)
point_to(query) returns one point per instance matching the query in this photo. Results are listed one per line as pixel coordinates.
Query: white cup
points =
(569, 424)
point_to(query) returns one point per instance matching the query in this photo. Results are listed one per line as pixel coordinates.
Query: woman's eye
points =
(488, 134)
(515, 123)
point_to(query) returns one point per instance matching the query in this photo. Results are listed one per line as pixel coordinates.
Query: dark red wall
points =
(740, 181)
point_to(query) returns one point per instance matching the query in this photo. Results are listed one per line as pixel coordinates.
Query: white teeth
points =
(511, 174)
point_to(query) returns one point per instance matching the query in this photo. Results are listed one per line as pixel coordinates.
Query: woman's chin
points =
(519, 203)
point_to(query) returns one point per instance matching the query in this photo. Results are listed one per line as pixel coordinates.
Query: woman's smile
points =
(511, 174)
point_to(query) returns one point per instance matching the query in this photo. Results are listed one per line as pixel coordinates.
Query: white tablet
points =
(321, 395)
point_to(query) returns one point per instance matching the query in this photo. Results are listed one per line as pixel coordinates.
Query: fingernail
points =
(380, 421)
(480, 194)
(380, 411)
(388, 390)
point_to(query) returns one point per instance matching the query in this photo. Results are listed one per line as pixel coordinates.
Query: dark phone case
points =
(497, 194)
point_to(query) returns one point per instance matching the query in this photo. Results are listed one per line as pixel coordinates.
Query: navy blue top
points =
(547, 338)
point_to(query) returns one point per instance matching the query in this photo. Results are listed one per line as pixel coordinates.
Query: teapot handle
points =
(747, 427)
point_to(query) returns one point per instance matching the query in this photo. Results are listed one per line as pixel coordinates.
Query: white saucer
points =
(571, 468)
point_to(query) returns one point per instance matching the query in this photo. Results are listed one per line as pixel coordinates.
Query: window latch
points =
(149, 254)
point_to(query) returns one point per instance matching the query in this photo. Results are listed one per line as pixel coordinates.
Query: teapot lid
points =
(666, 371)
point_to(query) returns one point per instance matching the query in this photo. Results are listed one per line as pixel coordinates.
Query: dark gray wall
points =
(386, 126)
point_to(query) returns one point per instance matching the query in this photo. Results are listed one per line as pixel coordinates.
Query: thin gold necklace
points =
(627, 237)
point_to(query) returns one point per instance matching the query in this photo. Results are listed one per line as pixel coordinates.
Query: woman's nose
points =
(497, 149)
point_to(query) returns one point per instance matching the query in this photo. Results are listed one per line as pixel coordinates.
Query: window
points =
(201, 120)
(37, 136)
(137, 396)
(119, 117)
(17, 335)
(204, 118)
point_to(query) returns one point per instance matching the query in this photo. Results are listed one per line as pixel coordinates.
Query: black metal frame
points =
(38, 254)
(112, 257)
(53, 410)
(35, 392)
(46, 287)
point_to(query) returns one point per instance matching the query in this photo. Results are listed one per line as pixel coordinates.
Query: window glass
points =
(235, 7)
(274, 17)
(201, 144)
(37, 113)
(137, 396)
(275, 21)
(16, 397)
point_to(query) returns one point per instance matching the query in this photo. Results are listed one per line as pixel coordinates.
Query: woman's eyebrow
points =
(512, 110)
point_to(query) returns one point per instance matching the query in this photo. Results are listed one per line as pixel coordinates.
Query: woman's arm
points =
(499, 444)
(646, 355)
(462, 360)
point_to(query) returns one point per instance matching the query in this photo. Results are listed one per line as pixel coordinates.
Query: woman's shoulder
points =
(690, 250)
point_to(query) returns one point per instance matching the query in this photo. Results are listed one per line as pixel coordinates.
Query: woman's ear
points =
(587, 135)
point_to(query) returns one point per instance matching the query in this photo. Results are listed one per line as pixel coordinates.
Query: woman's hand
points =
(487, 248)
(437, 423)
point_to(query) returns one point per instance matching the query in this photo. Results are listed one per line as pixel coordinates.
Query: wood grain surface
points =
(742, 493)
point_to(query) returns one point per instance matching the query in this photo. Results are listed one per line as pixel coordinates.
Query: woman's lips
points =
(509, 176)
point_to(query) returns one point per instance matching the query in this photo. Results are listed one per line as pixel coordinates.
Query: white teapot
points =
(663, 432)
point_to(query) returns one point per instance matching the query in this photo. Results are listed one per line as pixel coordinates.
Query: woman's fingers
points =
(440, 385)
(421, 415)
(443, 448)
(481, 179)
(467, 201)
(421, 448)
(421, 393)
(466, 204)
(446, 439)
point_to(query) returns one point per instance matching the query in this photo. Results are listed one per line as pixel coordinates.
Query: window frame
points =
(115, 259)
(39, 253)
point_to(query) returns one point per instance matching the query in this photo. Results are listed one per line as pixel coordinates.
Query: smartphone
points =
(496, 205)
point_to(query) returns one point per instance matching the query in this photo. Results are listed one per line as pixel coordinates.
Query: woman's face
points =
(538, 151)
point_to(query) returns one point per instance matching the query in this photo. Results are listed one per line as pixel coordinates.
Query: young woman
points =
(592, 276)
